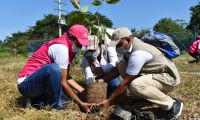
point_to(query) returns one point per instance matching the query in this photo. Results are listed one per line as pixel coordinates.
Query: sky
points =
(18, 15)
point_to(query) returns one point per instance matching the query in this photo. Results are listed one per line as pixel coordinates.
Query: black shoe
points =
(175, 111)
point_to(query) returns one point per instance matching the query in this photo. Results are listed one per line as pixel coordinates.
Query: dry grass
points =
(188, 91)
(12, 104)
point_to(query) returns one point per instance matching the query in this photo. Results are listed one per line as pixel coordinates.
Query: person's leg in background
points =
(196, 56)
(112, 85)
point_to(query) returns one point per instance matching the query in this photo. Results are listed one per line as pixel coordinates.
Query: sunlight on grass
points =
(12, 103)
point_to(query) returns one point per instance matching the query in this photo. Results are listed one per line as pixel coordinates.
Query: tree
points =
(44, 28)
(17, 41)
(140, 33)
(167, 25)
(76, 3)
(47, 28)
(87, 19)
(194, 23)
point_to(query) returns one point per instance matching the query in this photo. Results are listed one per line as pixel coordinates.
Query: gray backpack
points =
(163, 42)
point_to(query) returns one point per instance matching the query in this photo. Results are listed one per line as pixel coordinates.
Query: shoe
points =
(175, 110)
(125, 115)
(28, 103)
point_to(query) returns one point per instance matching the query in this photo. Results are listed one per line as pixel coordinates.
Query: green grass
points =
(12, 103)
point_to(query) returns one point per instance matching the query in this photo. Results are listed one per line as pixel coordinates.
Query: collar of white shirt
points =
(130, 49)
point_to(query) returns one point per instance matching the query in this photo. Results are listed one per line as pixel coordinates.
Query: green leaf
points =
(96, 3)
(86, 20)
(84, 8)
(75, 3)
(112, 1)
(93, 22)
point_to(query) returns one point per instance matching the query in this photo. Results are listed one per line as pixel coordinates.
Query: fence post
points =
(194, 33)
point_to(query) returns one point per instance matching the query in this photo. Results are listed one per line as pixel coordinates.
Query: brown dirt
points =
(95, 92)
(133, 105)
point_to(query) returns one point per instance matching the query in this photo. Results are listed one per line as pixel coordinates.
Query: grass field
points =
(12, 105)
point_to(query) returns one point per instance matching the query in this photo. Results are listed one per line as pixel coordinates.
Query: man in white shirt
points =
(148, 72)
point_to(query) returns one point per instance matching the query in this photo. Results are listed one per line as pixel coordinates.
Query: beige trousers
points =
(148, 88)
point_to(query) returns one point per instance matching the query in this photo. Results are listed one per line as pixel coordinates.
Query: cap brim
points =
(84, 42)
(113, 43)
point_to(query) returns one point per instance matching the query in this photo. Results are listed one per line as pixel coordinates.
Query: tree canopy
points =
(87, 19)
(47, 28)
(140, 33)
(167, 25)
(194, 23)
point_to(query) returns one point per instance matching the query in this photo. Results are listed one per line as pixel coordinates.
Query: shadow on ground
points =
(21, 102)
(140, 109)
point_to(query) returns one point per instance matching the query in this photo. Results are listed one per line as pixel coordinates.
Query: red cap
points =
(81, 33)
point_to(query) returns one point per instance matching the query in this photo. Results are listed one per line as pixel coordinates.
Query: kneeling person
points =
(45, 77)
(99, 60)
(148, 72)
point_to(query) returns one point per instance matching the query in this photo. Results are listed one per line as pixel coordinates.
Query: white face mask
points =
(75, 49)
(94, 54)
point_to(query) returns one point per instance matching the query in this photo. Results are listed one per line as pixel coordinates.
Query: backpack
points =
(163, 42)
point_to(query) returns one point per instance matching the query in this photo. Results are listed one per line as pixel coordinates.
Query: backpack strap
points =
(104, 52)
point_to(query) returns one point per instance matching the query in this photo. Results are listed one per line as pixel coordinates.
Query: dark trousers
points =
(44, 87)
(195, 56)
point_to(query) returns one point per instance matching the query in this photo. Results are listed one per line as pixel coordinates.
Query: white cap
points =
(94, 41)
